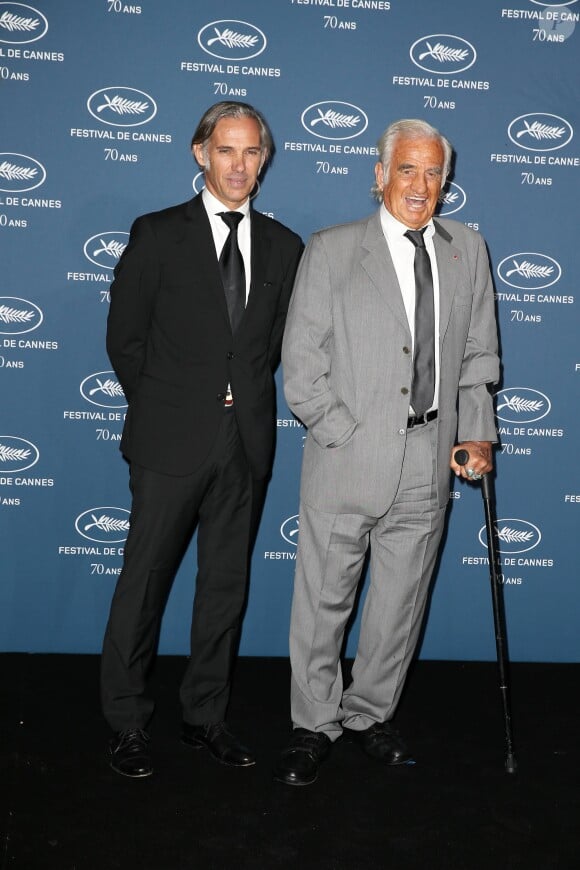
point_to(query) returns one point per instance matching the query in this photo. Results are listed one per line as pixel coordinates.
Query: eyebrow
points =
(232, 147)
(402, 166)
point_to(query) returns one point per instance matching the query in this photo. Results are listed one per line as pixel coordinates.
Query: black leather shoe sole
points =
(200, 744)
(291, 776)
(231, 754)
(129, 754)
(299, 762)
(382, 743)
(139, 772)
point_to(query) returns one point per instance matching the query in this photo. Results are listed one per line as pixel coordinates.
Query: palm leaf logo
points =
(530, 270)
(512, 536)
(109, 388)
(541, 131)
(231, 39)
(14, 315)
(443, 53)
(335, 119)
(521, 406)
(13, 454)
(113, 248)
(11, 172)
(449, 198)
(121, 106)
(107, 524)
(13, 23)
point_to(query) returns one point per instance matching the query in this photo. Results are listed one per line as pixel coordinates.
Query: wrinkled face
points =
(232, 160)
(411, 191)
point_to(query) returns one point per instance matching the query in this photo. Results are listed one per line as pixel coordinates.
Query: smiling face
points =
(232, 160)
(411, 191)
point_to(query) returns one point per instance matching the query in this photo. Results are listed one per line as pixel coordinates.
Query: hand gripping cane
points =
(488, 494)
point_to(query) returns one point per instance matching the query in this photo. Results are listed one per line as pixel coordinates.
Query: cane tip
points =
(511, 765)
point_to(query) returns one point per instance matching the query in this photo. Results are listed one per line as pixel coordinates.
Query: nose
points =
(239, 162)
(420, 183)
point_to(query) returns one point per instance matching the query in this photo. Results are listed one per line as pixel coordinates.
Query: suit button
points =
(402, 431)
(230, 355)
(404, 391)
(220, 397)
(406, 350)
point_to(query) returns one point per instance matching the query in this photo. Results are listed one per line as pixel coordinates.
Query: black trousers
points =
(222, 500)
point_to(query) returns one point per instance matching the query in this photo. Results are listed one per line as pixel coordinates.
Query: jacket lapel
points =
(448, 259)
(199, 239)
(378, 264)
(260, 244)
(200, 246)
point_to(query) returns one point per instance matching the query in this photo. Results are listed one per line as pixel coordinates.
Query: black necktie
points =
(423, 388)
(232, 269)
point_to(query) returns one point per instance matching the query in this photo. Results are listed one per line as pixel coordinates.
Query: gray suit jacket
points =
(348, 365)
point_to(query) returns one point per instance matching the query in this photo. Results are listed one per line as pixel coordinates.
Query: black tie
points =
(423, 388)
(232, 269)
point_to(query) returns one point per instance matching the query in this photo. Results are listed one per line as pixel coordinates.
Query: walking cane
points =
(488, 495)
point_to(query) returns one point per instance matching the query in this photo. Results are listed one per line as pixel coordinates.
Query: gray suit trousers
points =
(331, 552)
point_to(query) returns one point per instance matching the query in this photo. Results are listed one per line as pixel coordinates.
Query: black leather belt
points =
(419, 421)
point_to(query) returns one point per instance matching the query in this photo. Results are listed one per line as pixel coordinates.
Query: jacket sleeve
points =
(277, 332)
(132, 299)
(307, 352)
(480, 366)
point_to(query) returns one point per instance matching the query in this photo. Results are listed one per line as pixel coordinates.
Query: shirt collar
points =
(214, 206)
(394, 229)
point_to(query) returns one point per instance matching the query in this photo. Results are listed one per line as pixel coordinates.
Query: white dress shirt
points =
(220, 230)
(402, 253)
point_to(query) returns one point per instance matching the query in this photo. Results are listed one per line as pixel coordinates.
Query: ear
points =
(379, 174)
(197, 151)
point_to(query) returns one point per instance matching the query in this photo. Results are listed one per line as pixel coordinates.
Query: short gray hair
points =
(232, 109)
(409, 128)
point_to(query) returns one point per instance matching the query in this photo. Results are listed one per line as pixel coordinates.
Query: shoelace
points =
(135, 736)
(307, 741)
(384, 730)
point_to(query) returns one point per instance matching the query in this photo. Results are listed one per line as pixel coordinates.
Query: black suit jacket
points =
(171, 345)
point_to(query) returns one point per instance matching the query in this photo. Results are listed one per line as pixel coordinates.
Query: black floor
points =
(456, 809)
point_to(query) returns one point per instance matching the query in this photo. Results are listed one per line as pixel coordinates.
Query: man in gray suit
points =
(389, 348)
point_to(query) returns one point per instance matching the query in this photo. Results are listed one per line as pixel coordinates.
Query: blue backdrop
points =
(99, 101)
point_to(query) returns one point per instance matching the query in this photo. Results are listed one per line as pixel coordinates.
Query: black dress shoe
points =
(299, 762)
(383, 742)
(129, 753)
(221, 743)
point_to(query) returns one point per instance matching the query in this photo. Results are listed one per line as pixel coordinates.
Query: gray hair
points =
(412, 128)
(231, 109)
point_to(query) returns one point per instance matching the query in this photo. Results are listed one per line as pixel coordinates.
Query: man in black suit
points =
(197, 313)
